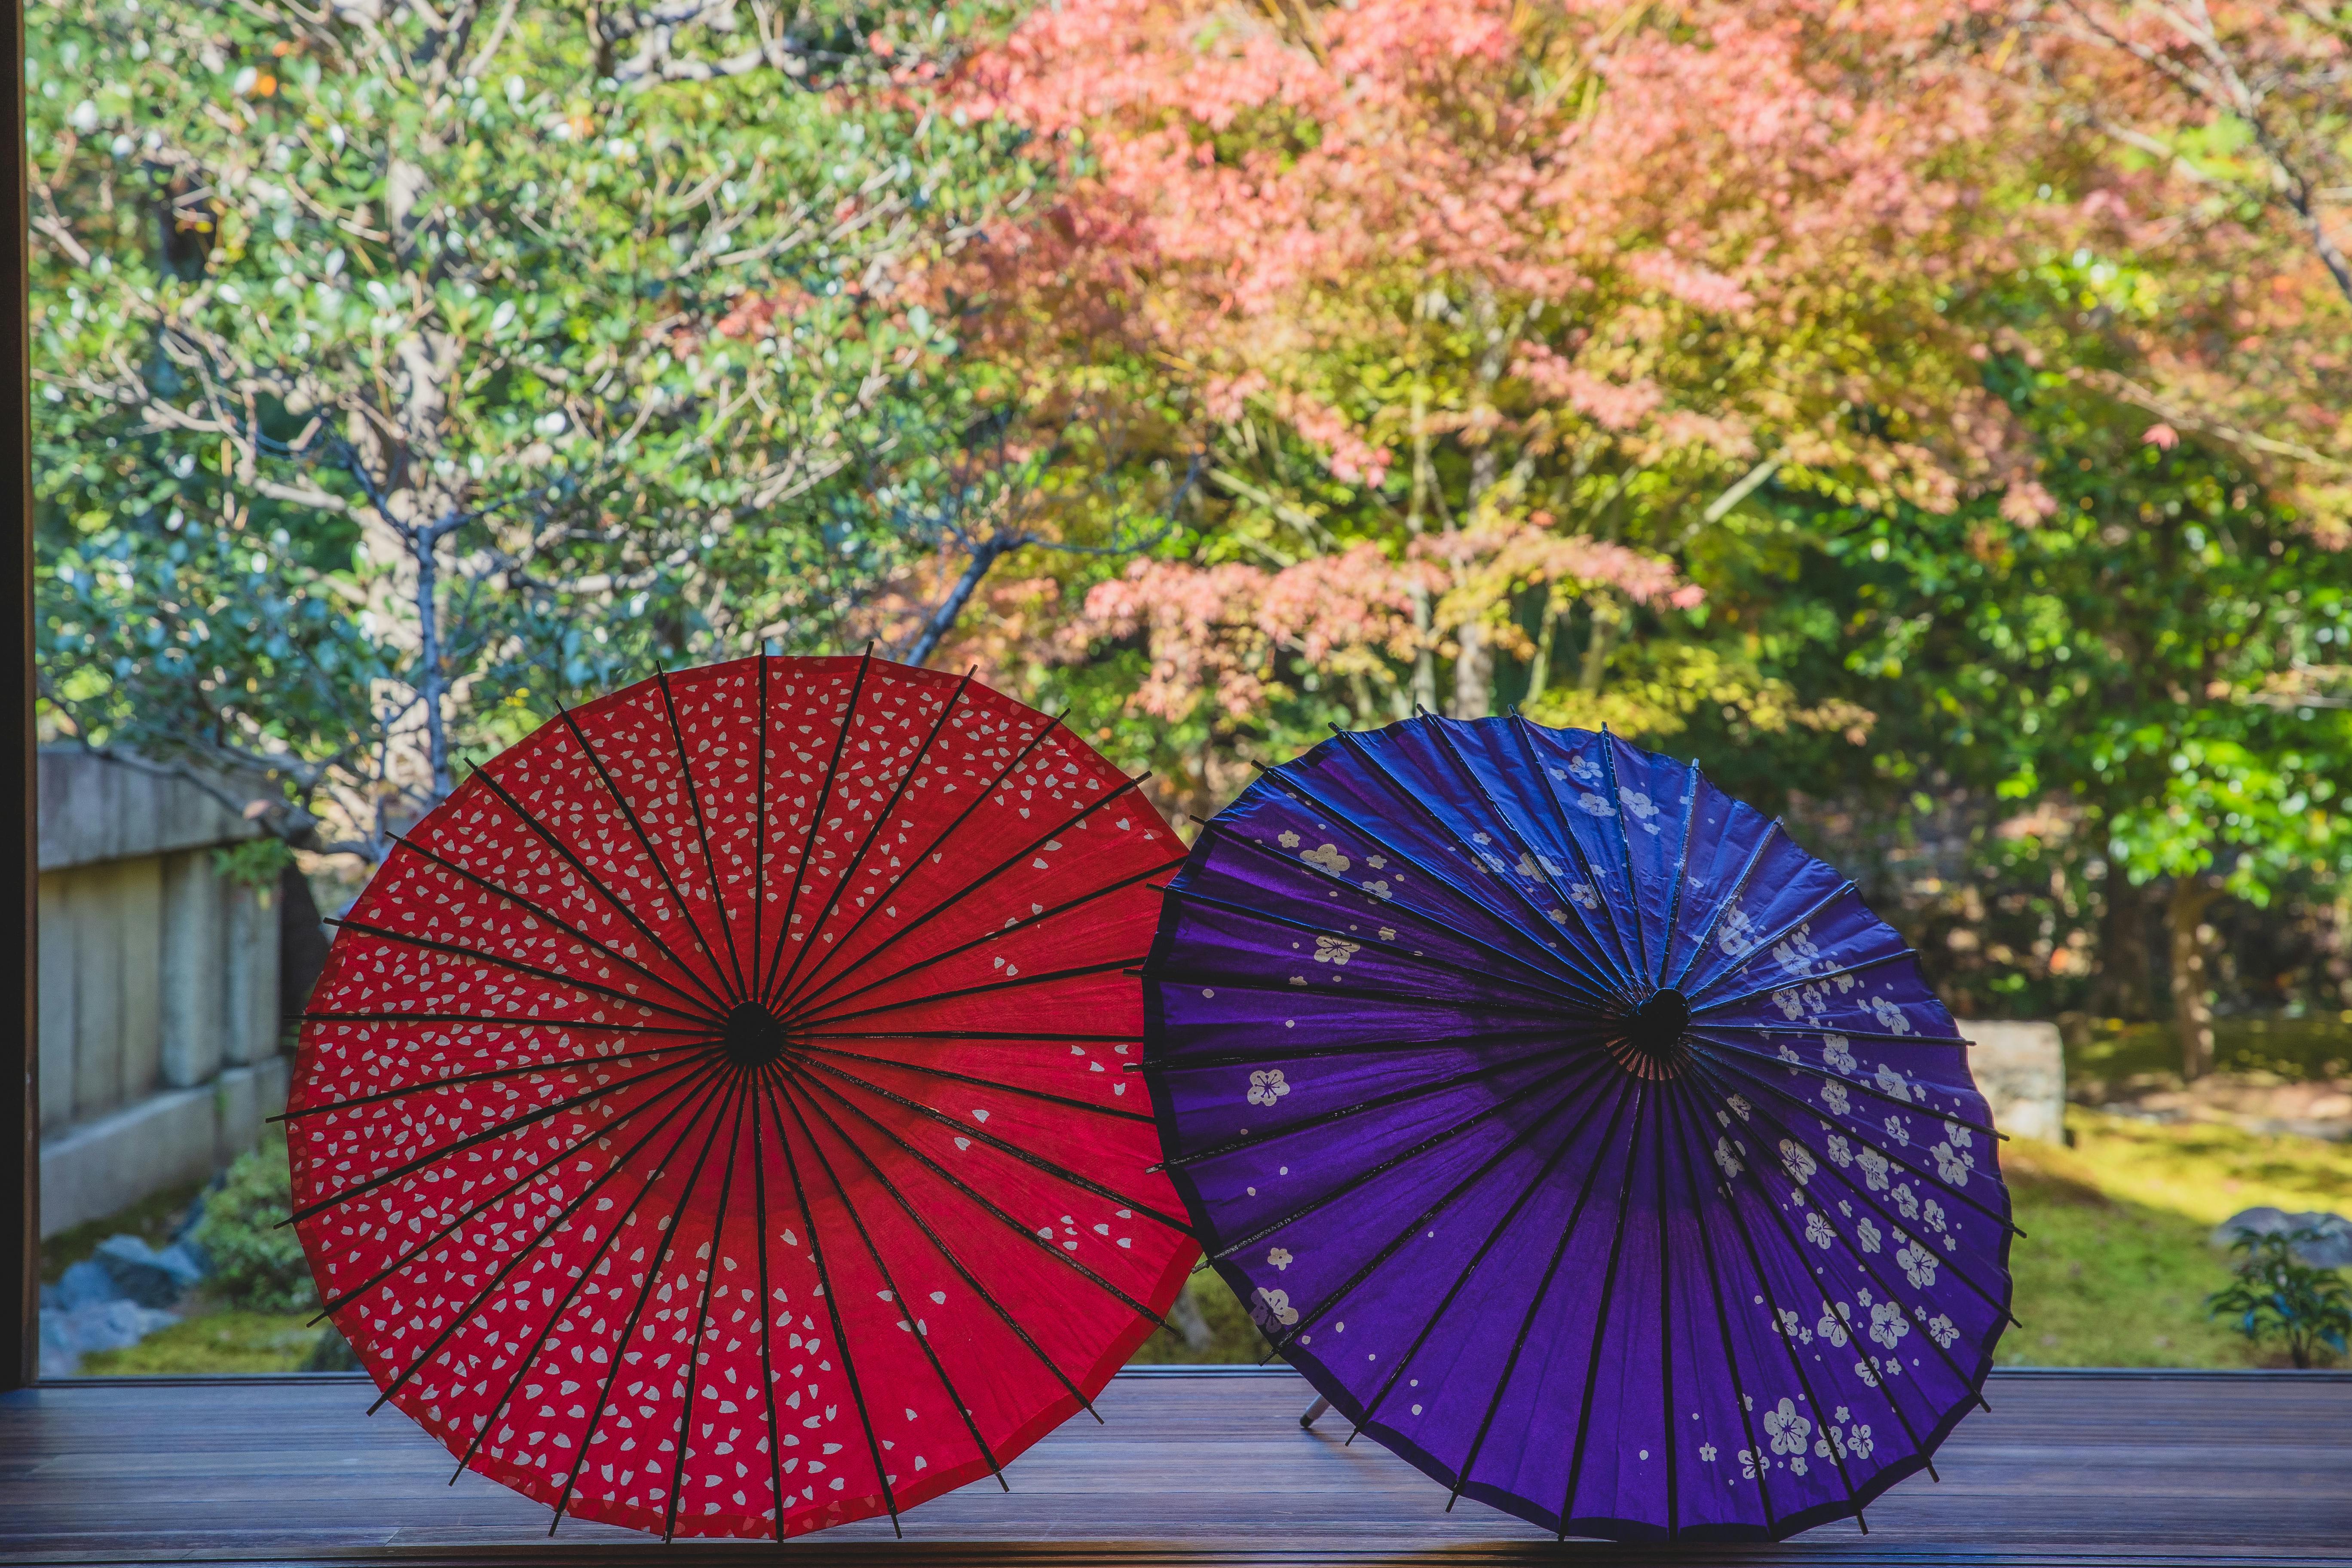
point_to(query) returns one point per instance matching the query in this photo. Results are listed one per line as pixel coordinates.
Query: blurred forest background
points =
(1930, 415)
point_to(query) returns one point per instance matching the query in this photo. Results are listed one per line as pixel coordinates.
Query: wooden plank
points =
(1189, 1468)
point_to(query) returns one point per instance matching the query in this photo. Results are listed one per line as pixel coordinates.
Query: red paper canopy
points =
(713, 1119)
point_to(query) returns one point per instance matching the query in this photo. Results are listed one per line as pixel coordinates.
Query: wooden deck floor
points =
(1191, 1468)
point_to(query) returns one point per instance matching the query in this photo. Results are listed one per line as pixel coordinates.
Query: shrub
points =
(255, 1265)
(2277, 1296)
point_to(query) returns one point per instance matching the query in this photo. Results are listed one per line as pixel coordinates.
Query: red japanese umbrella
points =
(711, 1120)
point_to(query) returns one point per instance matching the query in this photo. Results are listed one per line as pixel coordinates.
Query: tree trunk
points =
(2124, 985)
(2192, 995)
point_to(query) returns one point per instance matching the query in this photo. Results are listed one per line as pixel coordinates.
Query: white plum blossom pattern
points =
(1797, 1160)
(1873, 1169)
(1890, 1017)
(1940, 1329)
(1335, 950)
(1583, 769)
(1841, 1153)
(1328, 857)
(1287, 839)
(1791, 1433)
(1933, 1213)
(1726, 1158)
(1281, 1260)
(1896, 1134)
(1906, 1200)
(1868, 1234)
(1277, 1306)
(1266, 1087)
(1796, 951)
(1583, 896)
(1892, 1083)
(1832, 1326)
(1836, 1053)
(1817, 1229)
(1595, 805)
(1951, 1167)
(1740, 1108)
(1887, 1323)
(1918, 1264)
(1834, 1095)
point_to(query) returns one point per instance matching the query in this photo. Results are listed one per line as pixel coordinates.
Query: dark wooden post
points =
(19, 1023)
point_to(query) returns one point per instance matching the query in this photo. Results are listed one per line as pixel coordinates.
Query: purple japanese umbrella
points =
(1580, 1137)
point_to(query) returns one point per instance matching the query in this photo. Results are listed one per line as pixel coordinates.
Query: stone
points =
(68, 1335)
(2021, 1069)
(2332, 1249)
(142, 1274)
(85, 1284)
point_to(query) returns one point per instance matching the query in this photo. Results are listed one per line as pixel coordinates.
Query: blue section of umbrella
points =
(1580, 1137)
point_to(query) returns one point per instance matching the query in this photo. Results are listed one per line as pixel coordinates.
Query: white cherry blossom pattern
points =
(1798, 1161)
(1790, 1432)
(1941, 1330)
(1833, 1095)
(1267, 1085)
(1891, 1083)
(1834, 1318)
(1727, 1158)
(1817, 1229)
(1834, 1053)
(1918, 1264)
(1887, 1323)
(1280, 1257)
(1328, 857)
(1335, 950)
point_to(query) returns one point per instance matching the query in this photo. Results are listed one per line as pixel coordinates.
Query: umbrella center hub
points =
(1655, 1035)
(752, 1035)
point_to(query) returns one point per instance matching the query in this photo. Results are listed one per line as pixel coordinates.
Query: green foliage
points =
(254, 863)
(2277, 1296)
(257, 1266)
(211, 1344)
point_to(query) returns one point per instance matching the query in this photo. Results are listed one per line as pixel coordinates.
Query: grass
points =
(213, 1341)
(2296, 1050)
(152, 1219)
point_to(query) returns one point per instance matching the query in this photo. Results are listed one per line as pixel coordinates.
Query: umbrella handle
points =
(1321, 1405)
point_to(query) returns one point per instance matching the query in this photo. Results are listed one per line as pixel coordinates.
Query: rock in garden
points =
(68, 1335)
(84, 1284)
(2332, 1249)
(141, 1274)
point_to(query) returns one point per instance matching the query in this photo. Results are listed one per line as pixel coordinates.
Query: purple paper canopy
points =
(1578, 1135)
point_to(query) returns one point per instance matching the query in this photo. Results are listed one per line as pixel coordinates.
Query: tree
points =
(408, 368)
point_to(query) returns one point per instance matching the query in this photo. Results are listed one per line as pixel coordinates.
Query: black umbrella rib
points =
(1021, 1089)
(946, 1252)
(977, 801)
(473, 1139)
(1644, 1100)
(1339, 1113)
(386, 934)
(1403, 956)
(769, 1077)
(538, 913)
(1519, 728)
(1729, 899)
(1502, 820)
(1763, 945)
(1430, 868)
(1690, 780)
(330, 1307)
(1000, 1216)
(1792, 982)
(583, 1024)
(1866, 1085)
(1545, 1034)
(760, 1218)
(1666, 1327)
(1023, 923)
(1359, 1180)
(769, 966)
(1695, 1173)
(1058, 1172)
(636, 1309)
(645, 841)
(964, 1035)
(1551, 979)
(487, 1075)
(709, 861)
(808, 998)
(458, 1318)
(1510, 1216)
(589, 878)
(701, 1320)
(1535, 1307)
(889, 1282)
(881, 821)
(1625, 850)
(958, 992)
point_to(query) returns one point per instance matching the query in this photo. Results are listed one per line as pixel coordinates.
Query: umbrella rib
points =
(769, 965)
(636, 1309)
(962, 1034)
(1765, 945)
(1843, 1034)
(809, 997)
(1773, 1303)
(1551, 979)
(458, 1319)
(702, 832)
(1885, 1384)
(386, 934)
(1626, 850)
(512, 1187)
(1558, 1016)
(1666, 1327)
(1023, 923)
(583, 1026)
(1061, 1100)
(962, 1270)
(1060, 1172)
(1866, 1085)
(538, 913)
(487, 1075)
(1510, 1215)
(1796, 979)
(701, 1321)
(913, 1323)
(881, 820)
(1724, 904)
(1535, 1306)
(1462, 766)
(1048, 1247)
(629, 814)
(1548, 984)
(760, 1218)
(1690, 780)
(946, 833)
(1544, 1032)
(589, 878)
(1644, 1100)
(983, 989)
(1519, 727)
(474, 1139)
(1291, 788)
(768, 1086)
(1697, 1175)
(1361, 1180)
(1325, 1118)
